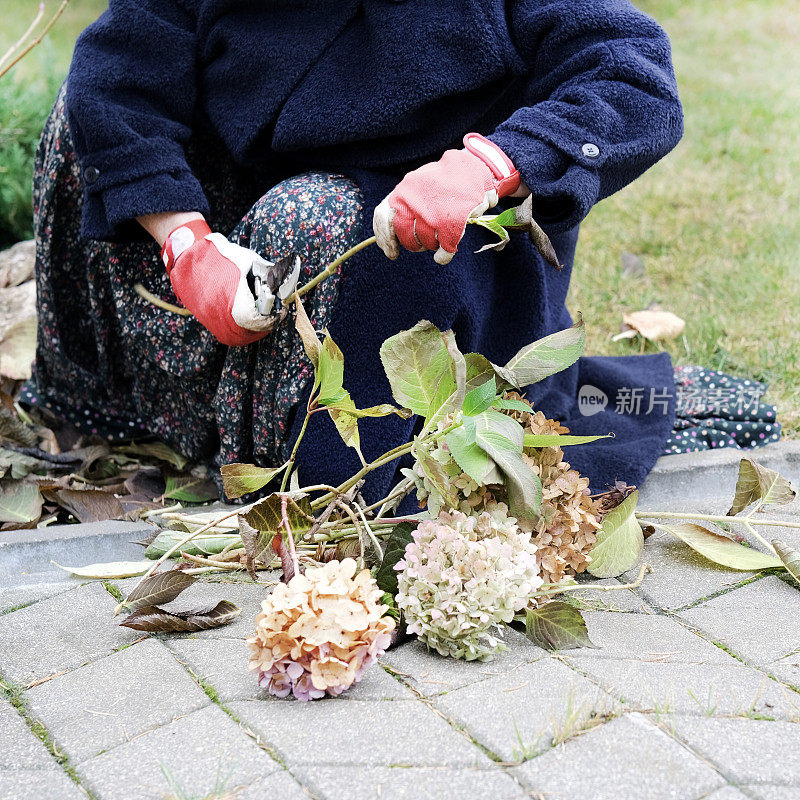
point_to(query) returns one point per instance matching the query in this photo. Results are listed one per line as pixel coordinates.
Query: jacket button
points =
(590, 150)
(90, 175)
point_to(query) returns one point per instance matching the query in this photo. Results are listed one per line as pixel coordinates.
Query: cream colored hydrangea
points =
(566, 528)
(462, 578)
(318, 633)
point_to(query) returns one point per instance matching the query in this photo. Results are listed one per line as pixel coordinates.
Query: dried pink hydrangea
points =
(318, 633)
(463, 577)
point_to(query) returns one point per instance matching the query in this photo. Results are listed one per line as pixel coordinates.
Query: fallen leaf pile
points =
(50, 473)
(17, 312)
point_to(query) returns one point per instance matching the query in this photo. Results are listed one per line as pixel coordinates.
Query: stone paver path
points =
(693, 693)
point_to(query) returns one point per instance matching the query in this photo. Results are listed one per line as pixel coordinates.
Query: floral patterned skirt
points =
(117, 365)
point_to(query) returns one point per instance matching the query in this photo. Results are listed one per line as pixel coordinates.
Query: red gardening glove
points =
(209, 275)
(429, 208)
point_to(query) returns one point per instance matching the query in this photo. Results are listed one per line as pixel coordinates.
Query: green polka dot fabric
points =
(716, 410)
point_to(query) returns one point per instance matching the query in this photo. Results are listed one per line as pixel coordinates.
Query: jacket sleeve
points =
(601, 103)
(131, 95)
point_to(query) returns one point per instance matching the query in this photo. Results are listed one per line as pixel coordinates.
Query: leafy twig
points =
(183, 542)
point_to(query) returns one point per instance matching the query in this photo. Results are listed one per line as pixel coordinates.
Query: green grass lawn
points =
(717, 223)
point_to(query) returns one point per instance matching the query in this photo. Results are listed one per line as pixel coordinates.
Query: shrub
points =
(23, 111)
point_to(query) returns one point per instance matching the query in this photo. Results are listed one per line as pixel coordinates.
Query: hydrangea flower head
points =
(463, 577)
(318, 633)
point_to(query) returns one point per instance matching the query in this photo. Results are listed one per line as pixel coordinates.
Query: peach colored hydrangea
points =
(318, 633)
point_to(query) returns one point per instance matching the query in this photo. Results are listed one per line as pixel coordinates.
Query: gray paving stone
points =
(19, 747)
(787, 669)
(614, 600)
(409, 783)
(773, 792)
(278, 786)
(223, 664)
(680, 576)
(628, 758)
(760, 621)
(709, 477)
(650, 637)
(522, 711)
(677, 688)
(19, 596)
(26, 557)
(725, 793)
(431, 674)
(358, 733)
(202, 752)
(746, 750)
(105, 703)
(32, 784)
(60, 633)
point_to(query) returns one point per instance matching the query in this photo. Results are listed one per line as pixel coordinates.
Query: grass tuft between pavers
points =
(14, 694)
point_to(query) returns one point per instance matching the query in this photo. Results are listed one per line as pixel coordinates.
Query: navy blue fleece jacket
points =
(579, 93)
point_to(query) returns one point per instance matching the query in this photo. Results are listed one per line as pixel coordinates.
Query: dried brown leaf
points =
(653, 323)
(157, 620)
(160, 587)
(90, 505)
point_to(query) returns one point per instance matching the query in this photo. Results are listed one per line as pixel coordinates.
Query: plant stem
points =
(14, 47)
(210, 562)
(183, 542)
(349, 531)
(400, 489)
(332, 267)
(748, 524)
(373, 465)
(38, 39)
(290, 462)
(388, 456)
(157, 301)
(577, 587)
(160, 511)
(777, 523)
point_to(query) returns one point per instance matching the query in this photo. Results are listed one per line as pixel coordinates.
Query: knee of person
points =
(316, 215)
(323, 197)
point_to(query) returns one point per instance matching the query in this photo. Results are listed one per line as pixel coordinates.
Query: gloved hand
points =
(230, 290)
(429, 208)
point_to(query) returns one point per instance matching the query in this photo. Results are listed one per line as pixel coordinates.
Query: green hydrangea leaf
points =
(386, 574)
(480, 398)
(559, 440)
(549, 355)
(557, 626)
(241, 479)
(620, 541)
(722, 550)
